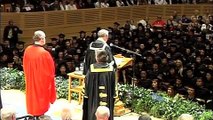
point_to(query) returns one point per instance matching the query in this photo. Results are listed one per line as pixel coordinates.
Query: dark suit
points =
(13, 38)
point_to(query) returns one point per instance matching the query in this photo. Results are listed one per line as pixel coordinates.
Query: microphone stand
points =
(133, 63)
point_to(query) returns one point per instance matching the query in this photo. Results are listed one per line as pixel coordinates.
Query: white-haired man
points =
(39, 71)
(102, 113)
(99, 87)
(90, 58)
(8, 114)
(98, 45)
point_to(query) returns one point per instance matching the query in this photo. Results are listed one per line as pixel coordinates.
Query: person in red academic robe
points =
(39, 71)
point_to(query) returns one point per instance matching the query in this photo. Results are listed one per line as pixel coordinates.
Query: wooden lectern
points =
(121, 62)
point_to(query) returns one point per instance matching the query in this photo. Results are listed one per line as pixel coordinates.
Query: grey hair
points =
(38, 35)
(103, 32)
(7, 113)
(103, 111)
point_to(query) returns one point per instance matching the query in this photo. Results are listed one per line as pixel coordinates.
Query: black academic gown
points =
(99, 90)
(90, 54)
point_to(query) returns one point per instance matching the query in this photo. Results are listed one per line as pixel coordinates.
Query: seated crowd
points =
(47, 5)
(176, 54)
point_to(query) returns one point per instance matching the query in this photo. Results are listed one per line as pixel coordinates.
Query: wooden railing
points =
(71, 22)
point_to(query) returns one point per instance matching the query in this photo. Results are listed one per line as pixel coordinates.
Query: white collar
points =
(101, 39)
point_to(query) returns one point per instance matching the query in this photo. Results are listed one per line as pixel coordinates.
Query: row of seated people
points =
(175, 53)
(8, 113)
(102, 113)
(47, 5)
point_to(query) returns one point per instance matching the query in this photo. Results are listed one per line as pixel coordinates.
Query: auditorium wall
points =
(71, 22)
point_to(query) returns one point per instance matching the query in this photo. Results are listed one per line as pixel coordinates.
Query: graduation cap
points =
(82, 32)
(122, 28)
(110, 28)
(62, 63)
(10, 61)
(74, 37)
(190, 87)
(54, 39)
(173, 45)
(98, 28)
(157, 59)
(68, 59)
(201, 46)
(140, 24)
(189, 66)
(61, 35)
(149, 54)
(67, 40)
(178, 55)
(116, 23)
(94, 31)
(49, 44)
(207, 60)
(20, 42)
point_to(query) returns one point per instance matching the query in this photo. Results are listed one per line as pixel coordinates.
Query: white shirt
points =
(101, 5)
(119, 3)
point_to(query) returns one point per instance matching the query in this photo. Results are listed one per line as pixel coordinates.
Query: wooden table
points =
(77, 89)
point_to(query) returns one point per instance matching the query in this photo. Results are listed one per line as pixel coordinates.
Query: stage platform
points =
(16, 99)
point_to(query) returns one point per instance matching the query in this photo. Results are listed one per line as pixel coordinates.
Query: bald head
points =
(102, 113)
(8, 114)
(66, 114)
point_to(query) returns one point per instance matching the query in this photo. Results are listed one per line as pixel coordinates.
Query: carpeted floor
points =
(16, 99)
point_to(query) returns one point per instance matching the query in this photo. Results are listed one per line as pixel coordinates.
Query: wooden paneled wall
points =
(71, 22)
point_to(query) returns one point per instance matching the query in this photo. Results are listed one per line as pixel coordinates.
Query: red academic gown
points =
(39, 73)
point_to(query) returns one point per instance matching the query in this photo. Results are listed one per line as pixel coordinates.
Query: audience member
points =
(176, 53)
(39, 71)
(99, 44)
(144, 117)
(102, 113)
(8, 114)
(45, 117)
(66, 114)
(186, 117)
(11, 32)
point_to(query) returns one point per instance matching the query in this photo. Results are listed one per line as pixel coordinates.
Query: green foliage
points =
(138, 99)
(206, 115)
(62, 87)
(160, 105)
(14, 79)
(11, 79)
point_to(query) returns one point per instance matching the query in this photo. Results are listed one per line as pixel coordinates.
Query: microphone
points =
(129, 51)
(112, 45)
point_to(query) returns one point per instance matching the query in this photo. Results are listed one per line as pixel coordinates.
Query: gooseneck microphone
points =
(129, 51)
(112, 45)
